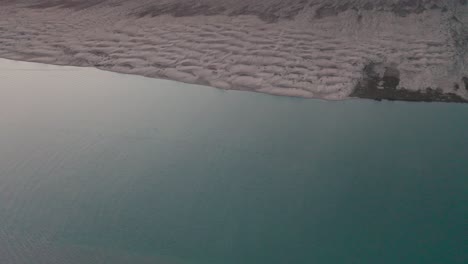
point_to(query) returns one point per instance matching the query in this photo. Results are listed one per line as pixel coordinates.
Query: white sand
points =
(304, 55)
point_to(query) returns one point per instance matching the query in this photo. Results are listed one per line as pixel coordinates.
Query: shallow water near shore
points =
(100, 167)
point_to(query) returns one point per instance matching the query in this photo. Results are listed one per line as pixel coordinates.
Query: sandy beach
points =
(335, 49)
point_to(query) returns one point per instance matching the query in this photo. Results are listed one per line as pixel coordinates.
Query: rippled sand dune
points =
(331, 49)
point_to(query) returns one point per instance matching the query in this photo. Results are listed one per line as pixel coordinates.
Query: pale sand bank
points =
(315, 49)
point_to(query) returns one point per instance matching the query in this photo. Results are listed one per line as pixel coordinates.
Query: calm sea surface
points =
(99, 167)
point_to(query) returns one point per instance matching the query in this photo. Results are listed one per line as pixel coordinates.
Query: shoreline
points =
(358, 96)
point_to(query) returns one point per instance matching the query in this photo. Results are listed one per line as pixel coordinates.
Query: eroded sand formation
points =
(331, 49)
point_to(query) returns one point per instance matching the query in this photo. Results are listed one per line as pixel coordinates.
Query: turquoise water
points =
(99, 167)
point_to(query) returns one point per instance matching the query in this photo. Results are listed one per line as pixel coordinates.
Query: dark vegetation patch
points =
(329, 10)
(72, 4)
(369, 88)
(465, 81)
(406, 7)
(272, 13)
(269, 16)
(268, 12)
(401, 8)
(181, 10)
